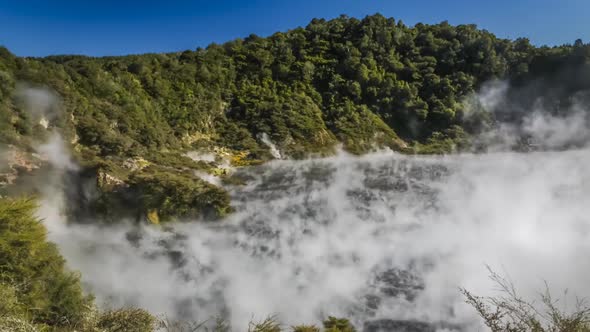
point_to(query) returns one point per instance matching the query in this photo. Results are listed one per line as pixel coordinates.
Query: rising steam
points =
(378, 236)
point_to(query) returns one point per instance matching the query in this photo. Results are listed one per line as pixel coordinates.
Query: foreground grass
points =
(139, 320)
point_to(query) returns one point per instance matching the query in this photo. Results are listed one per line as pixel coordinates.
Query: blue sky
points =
(115, 27)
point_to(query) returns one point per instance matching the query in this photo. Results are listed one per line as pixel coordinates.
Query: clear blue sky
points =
(114, 27)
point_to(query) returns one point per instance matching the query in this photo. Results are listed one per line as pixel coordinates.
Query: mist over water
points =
(378, 236)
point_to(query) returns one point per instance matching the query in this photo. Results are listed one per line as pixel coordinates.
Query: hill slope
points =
(363, 83)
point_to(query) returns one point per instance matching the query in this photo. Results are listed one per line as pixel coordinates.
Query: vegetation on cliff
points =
(363, 83)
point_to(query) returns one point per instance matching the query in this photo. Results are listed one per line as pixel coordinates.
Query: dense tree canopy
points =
(343, 80)
(363, 83)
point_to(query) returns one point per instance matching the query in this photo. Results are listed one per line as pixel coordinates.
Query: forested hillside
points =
(157, 137)
(364, 83)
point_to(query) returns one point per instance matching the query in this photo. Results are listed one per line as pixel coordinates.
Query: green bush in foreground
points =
(33, 278)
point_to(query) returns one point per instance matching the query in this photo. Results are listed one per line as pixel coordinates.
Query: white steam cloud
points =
(379, 236)
(539, 127)
(55, 151)
(492, 94)
(331, 237)
(274, 151)
(556, 132)
(42, 104)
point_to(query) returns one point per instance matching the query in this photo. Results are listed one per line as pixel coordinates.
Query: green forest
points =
(359, 84)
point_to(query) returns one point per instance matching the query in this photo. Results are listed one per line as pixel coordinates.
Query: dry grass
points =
(509, 312)
(268, 325)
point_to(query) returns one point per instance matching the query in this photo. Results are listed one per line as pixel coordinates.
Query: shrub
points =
(127, 320)
(34, 270)
(333, 324)
(511, 313)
